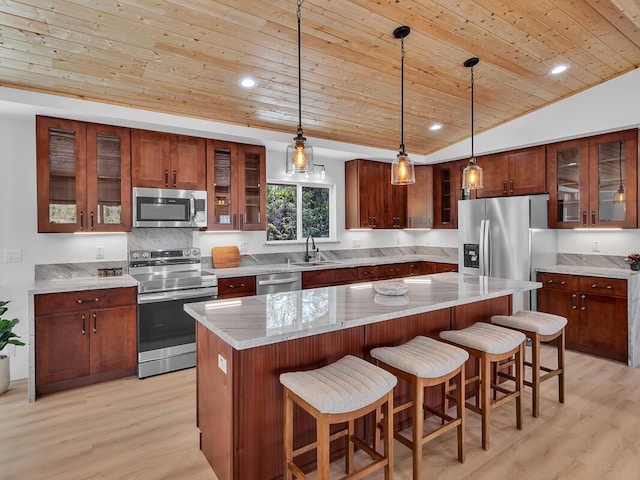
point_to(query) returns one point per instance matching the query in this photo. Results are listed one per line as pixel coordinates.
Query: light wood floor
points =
(132, 429)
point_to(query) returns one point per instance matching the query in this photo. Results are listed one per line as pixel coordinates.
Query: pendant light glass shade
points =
(402, 170)
(620, 195)
(300, 152)
(472, 173)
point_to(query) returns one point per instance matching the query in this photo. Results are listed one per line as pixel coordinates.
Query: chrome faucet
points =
(307, 257)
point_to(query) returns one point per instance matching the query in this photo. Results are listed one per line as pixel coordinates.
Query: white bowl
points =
(390, 288)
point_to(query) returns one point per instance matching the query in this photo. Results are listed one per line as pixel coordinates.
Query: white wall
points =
(603, 108)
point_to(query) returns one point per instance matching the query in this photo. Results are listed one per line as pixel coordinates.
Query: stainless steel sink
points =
(316, 263)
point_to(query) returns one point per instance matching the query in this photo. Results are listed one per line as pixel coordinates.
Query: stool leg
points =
(485, 403)
(349, 447)
(418, 426)
(322, 432)
(535, 373)
(519, 384)
(288, 435)
(561, 365)
(387, 430)
(460, 412)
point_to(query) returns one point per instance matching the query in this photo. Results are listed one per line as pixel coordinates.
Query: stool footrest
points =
(312, 446)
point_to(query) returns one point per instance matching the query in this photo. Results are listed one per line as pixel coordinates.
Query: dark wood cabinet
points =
(236, 182)
(236, 287)
(84, 337)
(442, 267)
(370, 199)
(164, 160)
(421, 268)
(420, 198)
(83, 176)
(596, 311)
(329, 277)
(517, 172)
(393, 270)
(585, 177)
(447, 178)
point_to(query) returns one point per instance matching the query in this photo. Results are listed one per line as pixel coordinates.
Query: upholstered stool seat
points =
(541, 328)
(425, 362)
(338, 393)
(491, 344)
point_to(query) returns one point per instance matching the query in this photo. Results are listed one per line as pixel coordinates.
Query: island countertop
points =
(259, 320)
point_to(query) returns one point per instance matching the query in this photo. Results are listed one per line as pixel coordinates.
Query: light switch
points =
(13, 255)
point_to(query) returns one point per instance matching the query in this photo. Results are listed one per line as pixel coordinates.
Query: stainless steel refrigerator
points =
(506, 237)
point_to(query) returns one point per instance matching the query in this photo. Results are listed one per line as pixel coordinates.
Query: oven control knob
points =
(135, 255)
(194, 252)
(145, 254)
(186, 253)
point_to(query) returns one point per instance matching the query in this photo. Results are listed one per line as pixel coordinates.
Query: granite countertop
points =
(81, 283)
(266, 319)
(623, 273)
(329, 264)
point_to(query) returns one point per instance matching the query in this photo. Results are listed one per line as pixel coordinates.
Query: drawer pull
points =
(561, 283)
(233, 286)
(95, 327)
(84, 325)
(80, 301)
(607, 287)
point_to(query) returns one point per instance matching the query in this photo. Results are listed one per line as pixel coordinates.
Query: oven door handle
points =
(176, 295)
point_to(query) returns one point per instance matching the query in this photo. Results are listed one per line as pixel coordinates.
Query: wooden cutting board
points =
(225, 257)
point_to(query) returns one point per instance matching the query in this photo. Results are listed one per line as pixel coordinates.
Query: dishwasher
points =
(278, 282)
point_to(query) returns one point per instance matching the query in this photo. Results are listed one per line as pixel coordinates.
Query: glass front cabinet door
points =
(593, 181)
(83, 176)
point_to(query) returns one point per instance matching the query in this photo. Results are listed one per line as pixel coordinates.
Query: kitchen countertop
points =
(266, 319)
(623, 273)
(77, 284)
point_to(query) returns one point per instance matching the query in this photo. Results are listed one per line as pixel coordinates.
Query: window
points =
(295, 211)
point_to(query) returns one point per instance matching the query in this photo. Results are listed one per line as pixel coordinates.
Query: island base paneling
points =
(240, 412)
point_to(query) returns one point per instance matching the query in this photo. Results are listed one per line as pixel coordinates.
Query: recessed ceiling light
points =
(435, 127)
(559, 69)
(247, 82)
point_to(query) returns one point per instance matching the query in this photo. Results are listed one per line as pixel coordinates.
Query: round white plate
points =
(390, 288)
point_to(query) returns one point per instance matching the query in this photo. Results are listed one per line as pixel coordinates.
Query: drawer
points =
(323, 278)
(559, 281)
(446, 267)
(394, 270)
(422, 268)
(368, 273)
(54, 303)
(235, 285)
(604, 286)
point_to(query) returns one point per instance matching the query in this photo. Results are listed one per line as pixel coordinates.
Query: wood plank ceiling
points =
(186, 56)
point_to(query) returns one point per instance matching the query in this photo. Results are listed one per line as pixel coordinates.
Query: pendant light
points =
(472, 173)
(299, 153)
(620, 195)
(402, 171)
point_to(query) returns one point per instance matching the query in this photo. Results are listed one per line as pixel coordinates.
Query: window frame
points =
(333, 221)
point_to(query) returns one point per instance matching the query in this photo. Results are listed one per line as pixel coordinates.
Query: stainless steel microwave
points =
(163, 207)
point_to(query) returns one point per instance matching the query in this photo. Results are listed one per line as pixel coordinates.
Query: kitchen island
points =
(244, 344)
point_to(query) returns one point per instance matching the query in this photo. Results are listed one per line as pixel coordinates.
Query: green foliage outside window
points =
(282, 213)
(315, 212)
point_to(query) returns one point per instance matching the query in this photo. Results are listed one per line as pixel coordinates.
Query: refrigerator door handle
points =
(487, 247)
(484, 247)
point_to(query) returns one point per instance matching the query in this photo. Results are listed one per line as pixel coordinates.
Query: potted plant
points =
(633, 259)
(6, 337)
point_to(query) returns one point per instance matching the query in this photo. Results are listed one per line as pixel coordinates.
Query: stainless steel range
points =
(167, 279)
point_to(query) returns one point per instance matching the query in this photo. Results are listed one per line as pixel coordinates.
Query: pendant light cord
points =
(402, 96)
(472, 102)
(299, 13)
(620, 162)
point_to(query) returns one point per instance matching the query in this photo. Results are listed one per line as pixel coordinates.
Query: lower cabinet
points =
(329, 277)
(84, 337)
(596, 309)
(236, 287)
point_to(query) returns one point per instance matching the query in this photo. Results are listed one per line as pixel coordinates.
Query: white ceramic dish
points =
(390, 288)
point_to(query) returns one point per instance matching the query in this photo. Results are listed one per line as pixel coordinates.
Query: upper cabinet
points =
(517, 172)
(163, 160)
(420, 199)
(83, 176)
(586, 178)
(236, 183)
(447, 190)
(370, 199)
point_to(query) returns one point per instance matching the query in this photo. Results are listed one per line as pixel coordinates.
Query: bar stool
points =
(339, 393)
(540, 327)
(425, 362)
(490, 344)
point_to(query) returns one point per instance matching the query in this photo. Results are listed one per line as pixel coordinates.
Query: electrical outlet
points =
(243, 246)
(12, 255)
(99, 252)
(222, 364)
(595, 246)
(355, 243)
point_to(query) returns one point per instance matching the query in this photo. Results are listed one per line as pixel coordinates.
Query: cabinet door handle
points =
(584, 218)
(511, 186)
(81, 220)
(166, 178)
(91, 220)
(84, 325)
(607, 287)
(504, 186)
(175, 179)
(582, 302)
(453, 220)
(375, 222)
(235, 221)
(242, 221)
(410, 222)
(593, 217)
(573, 301)
(95, 327)
(81, 301)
